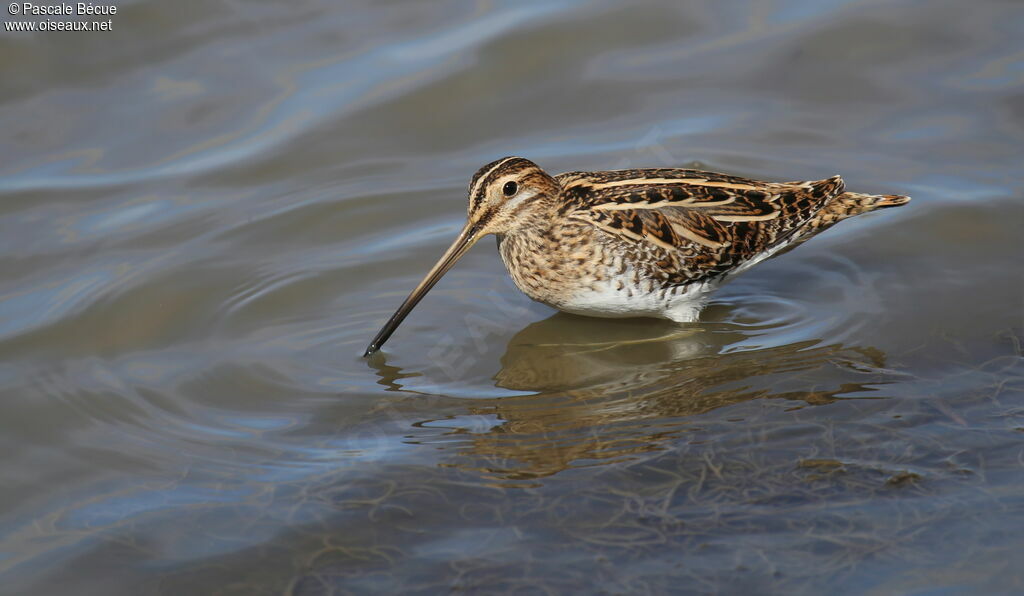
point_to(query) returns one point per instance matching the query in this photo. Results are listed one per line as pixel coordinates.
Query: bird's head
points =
(504, 196)
(508, 194)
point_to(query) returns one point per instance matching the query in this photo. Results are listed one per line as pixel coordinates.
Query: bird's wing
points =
(707, 222)
(714, 220)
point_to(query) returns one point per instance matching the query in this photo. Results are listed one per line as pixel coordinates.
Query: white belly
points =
(682, 304)
(610, 300)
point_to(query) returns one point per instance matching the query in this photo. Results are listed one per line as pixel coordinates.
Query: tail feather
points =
(861, 203)
(847, 205)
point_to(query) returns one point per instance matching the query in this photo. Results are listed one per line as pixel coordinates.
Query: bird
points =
(652, 242)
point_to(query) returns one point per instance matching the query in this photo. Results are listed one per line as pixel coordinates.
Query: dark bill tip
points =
(464, 241)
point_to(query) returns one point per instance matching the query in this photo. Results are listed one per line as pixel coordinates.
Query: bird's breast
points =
(582, 274)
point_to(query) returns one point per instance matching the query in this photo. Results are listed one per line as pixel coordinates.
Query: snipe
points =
(635, 243)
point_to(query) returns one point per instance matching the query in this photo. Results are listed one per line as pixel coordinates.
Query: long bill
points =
(467, 238)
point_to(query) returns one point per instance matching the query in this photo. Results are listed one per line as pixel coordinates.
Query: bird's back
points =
(705, 224)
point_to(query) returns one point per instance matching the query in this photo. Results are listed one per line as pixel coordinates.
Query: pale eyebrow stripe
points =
(483, 178)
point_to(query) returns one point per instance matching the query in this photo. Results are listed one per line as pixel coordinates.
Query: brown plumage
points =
(643, 242)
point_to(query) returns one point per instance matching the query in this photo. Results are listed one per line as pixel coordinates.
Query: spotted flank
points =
(641, 242)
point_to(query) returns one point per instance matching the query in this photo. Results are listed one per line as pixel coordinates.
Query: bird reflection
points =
(595, 356)
(601, 390)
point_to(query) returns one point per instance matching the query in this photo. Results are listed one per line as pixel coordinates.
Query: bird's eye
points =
(510, 188)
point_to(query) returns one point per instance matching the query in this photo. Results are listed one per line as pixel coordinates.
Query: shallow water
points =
(207, 212)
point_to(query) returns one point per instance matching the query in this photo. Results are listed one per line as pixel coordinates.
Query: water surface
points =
(206, 214)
